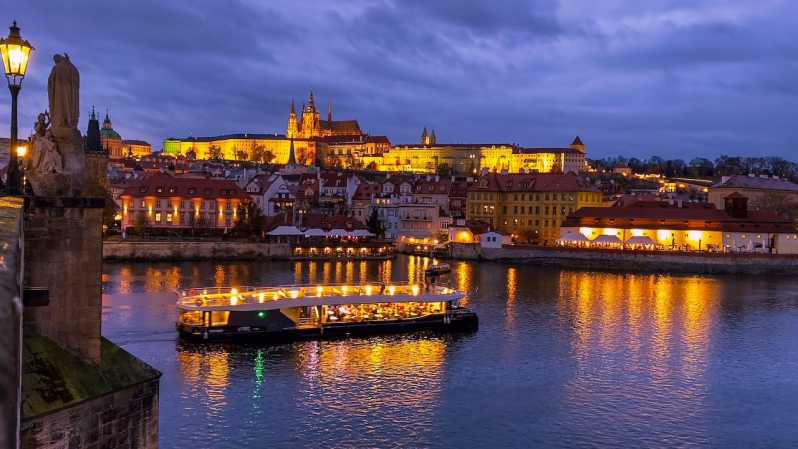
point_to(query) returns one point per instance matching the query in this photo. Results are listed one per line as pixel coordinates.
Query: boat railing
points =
(232, 296)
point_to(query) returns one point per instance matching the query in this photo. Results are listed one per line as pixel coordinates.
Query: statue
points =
(63, 87)
(57, 166)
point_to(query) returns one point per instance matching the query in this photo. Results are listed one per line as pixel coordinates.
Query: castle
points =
(310, 125)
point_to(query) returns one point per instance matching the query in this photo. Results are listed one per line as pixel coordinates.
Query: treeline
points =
(702, 167)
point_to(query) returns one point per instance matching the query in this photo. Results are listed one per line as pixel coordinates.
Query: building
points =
(531, 207)
(763, 192)
(165, 201)
(359, 152)
(267, 148)
(111, 140)
(471, 159)
(691, 227)
(310, 126)
(136, 148)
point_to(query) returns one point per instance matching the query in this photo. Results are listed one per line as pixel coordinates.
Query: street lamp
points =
(15, 52)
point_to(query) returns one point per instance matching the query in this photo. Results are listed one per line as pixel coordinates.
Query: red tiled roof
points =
(341, 126)
(441, 186)
(366, 191)
(328, 222)
(704, 217)
(755, 182)
(378, 139)
(163, 185)
(333, 179)
(548, 182)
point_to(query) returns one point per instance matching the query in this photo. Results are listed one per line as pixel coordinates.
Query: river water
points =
(561, 359)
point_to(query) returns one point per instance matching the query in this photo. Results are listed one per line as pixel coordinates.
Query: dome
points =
(109, 134)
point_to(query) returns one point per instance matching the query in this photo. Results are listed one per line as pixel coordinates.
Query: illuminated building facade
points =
(471, 159)
(310, 125)
(529, 206)
(268, 148)
(165, 201)
(111, 140)
(136, 148)
(694, 227)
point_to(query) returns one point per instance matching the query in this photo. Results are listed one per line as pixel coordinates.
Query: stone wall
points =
(123, 419)
(63, 241)
(10, 318)
(620, 260)
(173, 250)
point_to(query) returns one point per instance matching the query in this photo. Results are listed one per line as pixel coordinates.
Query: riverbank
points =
(192, 250)
(627, 260)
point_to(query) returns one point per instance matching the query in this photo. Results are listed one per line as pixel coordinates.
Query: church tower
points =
(93, 142)
(578, 145)
(293, 127)
(329, 113)
(310, 119)
(424, 136)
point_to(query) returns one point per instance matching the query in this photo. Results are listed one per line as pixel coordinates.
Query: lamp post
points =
(15, 52)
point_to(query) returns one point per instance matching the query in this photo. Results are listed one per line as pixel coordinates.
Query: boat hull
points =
(459, 321)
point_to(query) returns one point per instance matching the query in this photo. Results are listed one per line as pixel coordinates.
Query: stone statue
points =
(57, 166)
(63, 89)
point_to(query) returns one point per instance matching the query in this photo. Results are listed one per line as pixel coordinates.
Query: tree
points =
(375, 224)
(110, 211)
(258, 154)
(214, 153)
(777, 202)
(249, 219)
(241, 155)
(444, 170)
(528, 235)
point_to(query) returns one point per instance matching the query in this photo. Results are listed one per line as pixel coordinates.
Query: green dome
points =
(109, 134)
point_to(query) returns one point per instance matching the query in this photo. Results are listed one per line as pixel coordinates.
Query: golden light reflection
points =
(512, 292)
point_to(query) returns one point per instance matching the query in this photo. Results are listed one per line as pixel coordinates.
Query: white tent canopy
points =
(361, 233)
(573, 238)
(338, 233)
(281, 231)
(640, 240)
(608, 239)
(315, 232)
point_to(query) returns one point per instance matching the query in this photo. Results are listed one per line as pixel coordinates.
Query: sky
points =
(635, 78)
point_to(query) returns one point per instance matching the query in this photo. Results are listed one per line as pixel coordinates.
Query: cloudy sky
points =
(668, 77)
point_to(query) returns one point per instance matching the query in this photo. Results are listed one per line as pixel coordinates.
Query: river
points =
(561, 359)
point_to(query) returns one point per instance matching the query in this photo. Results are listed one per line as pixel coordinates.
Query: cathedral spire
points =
(311, 103)
(432, 138)
(329, 111)
(293, 108)
(291, 157)
(424, 136)
(93, 140)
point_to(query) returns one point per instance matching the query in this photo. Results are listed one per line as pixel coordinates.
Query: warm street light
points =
(22, 150)
(16, 53)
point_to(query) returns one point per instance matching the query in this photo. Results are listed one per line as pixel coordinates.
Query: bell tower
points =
(293, 128)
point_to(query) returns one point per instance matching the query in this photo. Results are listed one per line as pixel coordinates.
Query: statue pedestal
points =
(63, 252)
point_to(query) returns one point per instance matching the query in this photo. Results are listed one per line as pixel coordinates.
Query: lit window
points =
(158, 217)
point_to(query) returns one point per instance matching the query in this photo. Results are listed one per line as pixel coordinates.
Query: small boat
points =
(318, 311)
(438, 269)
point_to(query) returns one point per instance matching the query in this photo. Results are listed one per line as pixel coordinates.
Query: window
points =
(158, 217)
(143, 204)
(169, 218)
(158, 204)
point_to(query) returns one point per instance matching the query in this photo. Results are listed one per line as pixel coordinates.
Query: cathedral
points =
(310, 125)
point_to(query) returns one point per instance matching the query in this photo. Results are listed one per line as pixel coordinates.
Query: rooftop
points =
(756, 182)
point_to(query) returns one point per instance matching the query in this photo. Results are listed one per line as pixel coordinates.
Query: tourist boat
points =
(314, 311)
(437, 269)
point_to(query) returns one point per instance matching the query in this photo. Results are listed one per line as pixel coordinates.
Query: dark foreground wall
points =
(10, 318)
(71, 403)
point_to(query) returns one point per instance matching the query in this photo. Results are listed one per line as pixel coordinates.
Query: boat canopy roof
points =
(282, 297)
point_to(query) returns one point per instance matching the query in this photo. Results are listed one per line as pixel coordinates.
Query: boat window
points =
(219, 318)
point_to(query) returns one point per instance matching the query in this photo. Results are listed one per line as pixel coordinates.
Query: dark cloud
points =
(675, 78)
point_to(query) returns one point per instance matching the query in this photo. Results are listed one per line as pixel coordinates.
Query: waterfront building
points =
(165, 201)
(531, 207)
(763, 192)
(359, 152)
(691, 227)
(271, 194)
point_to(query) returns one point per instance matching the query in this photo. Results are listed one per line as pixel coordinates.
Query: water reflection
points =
(605, 359)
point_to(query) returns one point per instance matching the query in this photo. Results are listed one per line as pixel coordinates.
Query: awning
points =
(338, 233)
(639, 240)
(281, 231)
(315, 232)
(361, 233)
(608, 239)
(573, 238)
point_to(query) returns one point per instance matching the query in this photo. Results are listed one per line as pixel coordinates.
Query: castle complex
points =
(343, 144)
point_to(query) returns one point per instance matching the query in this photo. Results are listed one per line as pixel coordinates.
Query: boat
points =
(316, 311)
(438, 269)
